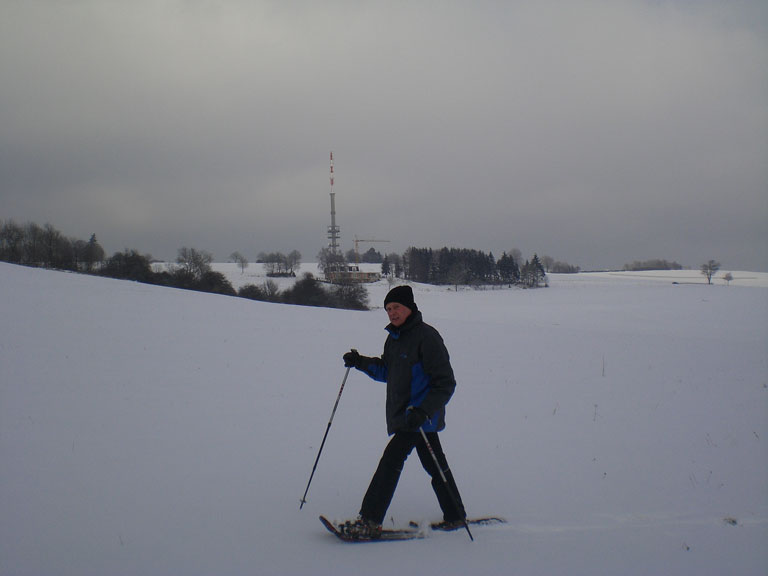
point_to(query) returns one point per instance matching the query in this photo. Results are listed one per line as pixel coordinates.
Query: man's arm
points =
(437, 365)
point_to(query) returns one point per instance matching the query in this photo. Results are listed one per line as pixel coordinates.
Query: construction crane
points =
(357, 251)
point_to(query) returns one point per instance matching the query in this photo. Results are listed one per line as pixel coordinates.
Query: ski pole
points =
(445, 481)
(304, 498)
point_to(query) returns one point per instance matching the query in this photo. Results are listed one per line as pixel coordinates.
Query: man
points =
(417, 369)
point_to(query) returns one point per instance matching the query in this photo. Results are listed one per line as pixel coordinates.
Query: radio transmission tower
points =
(333, 229)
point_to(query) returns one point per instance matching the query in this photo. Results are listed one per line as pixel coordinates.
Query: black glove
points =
(351, 359)
(415, 417)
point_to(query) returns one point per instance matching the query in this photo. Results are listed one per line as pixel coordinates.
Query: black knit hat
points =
(402, 295)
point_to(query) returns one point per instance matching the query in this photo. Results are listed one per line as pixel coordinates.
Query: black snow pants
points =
(384, 481)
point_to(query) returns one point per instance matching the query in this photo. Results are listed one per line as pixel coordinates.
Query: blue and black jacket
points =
(417, 369)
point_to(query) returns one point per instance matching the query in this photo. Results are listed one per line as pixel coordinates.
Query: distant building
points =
(349, 274)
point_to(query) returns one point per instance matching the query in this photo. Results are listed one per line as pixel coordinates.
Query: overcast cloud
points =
(596, 132)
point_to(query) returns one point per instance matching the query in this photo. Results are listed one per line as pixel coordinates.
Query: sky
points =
(595, 132)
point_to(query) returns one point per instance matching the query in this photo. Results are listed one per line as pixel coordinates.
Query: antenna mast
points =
(333, 229)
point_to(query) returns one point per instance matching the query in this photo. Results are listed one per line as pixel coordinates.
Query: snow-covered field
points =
(618, 421)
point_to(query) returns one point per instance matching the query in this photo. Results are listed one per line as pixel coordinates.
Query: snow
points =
(618, 421)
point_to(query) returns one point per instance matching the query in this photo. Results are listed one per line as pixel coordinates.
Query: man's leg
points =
(450, 512)
(384, 481)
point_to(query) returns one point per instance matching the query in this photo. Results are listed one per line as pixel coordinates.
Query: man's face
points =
(397, 313)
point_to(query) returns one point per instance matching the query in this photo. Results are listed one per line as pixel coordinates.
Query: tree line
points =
(46, 247)
(278, 264)
(654, 264)
(461, 266)
(309, 291)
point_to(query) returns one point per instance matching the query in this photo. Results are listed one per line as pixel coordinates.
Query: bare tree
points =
(458, 274)
(728, 277)
(547, 262)
(271, 290)
(293, 261)
(34, 252)
(194, 263)
(12, 242)
(278, 264)
(326, 259)
(240, 260)
(710, 269)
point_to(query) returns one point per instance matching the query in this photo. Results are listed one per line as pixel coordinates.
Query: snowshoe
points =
(360, 529)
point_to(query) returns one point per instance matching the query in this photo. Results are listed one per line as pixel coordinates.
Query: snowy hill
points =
(618, 421)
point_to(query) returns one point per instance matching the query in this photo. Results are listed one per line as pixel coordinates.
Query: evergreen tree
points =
(93, 253)
(307, 292)
(128, 265)
(509, 272)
